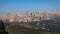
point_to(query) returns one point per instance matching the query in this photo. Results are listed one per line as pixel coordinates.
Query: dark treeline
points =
(2, 28)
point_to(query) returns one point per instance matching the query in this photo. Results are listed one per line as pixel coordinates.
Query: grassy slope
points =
(16, 29)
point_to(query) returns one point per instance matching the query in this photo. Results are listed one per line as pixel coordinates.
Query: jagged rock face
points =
(28, 17)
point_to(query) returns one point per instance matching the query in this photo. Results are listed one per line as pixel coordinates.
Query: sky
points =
(16, 6)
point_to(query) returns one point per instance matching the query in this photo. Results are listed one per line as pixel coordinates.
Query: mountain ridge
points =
(30, 16)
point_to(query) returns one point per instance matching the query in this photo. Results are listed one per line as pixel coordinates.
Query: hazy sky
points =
(15, 6)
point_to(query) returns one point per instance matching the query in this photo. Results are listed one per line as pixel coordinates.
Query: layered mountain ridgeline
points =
(41, 21)
(30, 16)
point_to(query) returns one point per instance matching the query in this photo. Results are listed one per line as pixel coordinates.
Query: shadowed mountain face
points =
(44, 26)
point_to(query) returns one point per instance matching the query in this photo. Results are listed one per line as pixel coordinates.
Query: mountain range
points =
(44, 21)
(30, 16)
